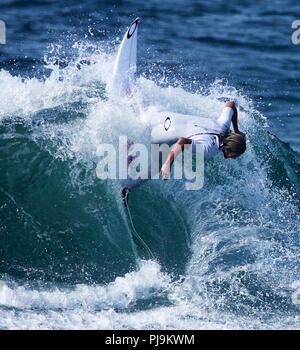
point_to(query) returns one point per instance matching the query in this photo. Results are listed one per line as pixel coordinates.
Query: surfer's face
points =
(228, 153)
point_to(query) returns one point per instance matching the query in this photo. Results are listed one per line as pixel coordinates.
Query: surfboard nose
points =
(132, 27)
(123, 81)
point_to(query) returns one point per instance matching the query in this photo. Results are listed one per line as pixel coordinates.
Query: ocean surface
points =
(224, 257)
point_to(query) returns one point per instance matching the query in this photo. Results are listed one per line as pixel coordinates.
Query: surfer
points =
(231, 144)
(173, 128)
(212, 135)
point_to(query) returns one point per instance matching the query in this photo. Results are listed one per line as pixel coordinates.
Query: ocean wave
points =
(231, 247)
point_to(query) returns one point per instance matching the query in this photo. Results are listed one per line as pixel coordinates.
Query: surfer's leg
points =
(125, 194)
(129, 156)
(125, 190)
(130, 185)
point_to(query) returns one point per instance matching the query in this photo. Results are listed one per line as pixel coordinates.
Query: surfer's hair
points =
(236, 143)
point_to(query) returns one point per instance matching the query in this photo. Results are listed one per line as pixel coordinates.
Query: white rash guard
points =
(168, 127)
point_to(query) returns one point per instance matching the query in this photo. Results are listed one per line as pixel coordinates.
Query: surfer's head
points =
(233, 146)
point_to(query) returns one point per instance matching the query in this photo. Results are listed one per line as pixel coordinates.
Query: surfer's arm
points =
(176, 149)
(234, 119)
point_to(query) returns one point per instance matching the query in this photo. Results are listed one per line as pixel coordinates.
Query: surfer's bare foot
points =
(125, 194)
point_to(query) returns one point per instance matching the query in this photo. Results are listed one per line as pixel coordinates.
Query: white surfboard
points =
(125, 64)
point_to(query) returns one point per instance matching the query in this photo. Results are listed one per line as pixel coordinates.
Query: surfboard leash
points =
(135, 233)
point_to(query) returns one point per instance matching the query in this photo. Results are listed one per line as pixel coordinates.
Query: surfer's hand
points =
(165, 171)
